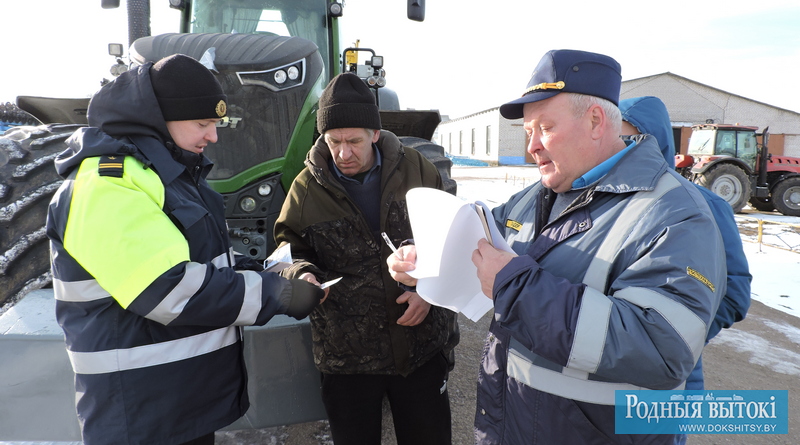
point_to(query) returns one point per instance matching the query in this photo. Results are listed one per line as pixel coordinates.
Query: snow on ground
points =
(774, 264)
(776, 277)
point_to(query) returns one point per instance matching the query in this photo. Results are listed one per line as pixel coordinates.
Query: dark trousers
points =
(208, 439)
(419, 402)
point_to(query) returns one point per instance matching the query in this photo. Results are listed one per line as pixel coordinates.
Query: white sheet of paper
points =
(446, 231)
(280, 259)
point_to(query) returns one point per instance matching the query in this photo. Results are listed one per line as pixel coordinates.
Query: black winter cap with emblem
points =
(186, 90)
(347, 102)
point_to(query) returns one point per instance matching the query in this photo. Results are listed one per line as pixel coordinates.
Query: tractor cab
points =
(714, 140)
(309, 19)
(728, 160)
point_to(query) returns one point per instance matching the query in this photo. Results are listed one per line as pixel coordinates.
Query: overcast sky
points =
(468, 55)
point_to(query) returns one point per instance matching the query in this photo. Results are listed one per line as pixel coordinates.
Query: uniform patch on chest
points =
(511, 224)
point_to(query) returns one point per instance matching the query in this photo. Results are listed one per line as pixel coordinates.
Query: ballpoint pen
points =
(389, 243)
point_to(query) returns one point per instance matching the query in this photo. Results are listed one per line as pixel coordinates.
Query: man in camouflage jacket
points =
(371, 338)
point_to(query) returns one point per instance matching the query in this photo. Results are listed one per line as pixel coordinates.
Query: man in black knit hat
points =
(148, 290)
(371, 338)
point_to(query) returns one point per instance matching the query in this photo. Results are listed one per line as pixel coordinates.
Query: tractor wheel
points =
(762, 204)
(786, 196)
(435, 154)
(728, 182)
(28, 180)
(12, 116)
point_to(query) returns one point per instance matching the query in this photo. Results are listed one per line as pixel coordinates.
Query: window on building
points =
(472, 142)
(450, 142)
(461, 142)
(488, 139)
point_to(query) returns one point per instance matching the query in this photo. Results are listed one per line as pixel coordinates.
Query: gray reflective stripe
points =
(563, 385)
(593, 318)
(103, 362)
(90, 290)
(590, 331)
(172, 305)
(597, 273)
(251, 306)
(224, 260)
(77, 291)
(685, 322)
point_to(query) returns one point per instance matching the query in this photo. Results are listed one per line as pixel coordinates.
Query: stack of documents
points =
(446, 233)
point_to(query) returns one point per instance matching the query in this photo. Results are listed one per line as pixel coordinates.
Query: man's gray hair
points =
(581, 102)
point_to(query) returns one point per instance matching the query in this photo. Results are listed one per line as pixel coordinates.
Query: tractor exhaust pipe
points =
(138, 17)
(138, 20)
(763, 159)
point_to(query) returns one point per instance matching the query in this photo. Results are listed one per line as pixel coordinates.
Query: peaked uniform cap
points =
(569, 71)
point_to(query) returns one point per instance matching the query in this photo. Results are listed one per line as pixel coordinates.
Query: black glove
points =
(247, 263)
(305, 297)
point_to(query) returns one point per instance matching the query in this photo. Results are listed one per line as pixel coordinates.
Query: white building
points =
(485, 136)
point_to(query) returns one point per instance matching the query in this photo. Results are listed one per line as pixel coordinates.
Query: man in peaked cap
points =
(149, 292)
(617, 274)
(371, 338)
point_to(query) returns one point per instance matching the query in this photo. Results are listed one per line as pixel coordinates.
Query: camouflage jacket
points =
(355, 331)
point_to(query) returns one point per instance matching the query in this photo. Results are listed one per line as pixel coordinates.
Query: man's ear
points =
(598, 120)
(376, 135)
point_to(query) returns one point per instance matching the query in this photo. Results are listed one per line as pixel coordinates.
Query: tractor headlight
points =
(264, 189)
(335, 9)
(276, 79)
(248, 204)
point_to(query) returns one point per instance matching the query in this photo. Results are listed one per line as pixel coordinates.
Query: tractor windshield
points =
(701, 143)
(724, 142)
(298, 18)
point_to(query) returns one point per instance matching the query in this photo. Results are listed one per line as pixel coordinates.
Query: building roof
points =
(687, 80)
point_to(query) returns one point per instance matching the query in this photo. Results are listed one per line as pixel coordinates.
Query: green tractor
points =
(273, 59)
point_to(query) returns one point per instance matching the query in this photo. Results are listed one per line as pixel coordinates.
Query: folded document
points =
(446, 232)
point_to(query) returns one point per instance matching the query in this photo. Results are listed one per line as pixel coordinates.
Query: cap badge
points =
(221, 108)
(546, 86)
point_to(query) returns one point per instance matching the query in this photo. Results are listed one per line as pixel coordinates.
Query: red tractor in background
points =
(728, 160)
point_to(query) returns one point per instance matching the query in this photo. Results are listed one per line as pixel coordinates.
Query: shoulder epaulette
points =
(111, 166)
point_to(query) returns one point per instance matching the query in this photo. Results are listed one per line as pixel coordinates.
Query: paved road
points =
(760, 352)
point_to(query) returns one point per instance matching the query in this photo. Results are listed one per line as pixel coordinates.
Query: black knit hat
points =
(186, 90)
(347, 102)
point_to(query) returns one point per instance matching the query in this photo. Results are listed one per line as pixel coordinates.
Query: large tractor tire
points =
(28, 181)
(12, 116)
(728, 182)
(435, 154)
(762, 204)
(786, 196)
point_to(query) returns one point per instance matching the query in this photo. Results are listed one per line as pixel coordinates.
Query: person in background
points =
(148, 290)
(649, 115)
(604, 293)
(371, 338)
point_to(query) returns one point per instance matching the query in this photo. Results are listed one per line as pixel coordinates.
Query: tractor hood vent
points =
(234, 52)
